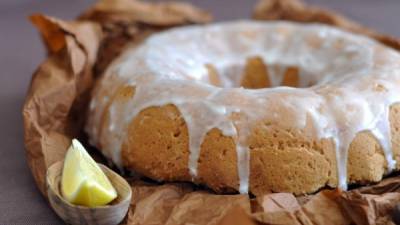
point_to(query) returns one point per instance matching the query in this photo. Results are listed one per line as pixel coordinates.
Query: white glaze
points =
(169, 68)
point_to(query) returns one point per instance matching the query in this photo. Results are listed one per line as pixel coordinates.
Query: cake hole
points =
(254, 73)
(177, 133)
(271, 145)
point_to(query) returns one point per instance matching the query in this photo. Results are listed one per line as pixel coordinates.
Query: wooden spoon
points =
(110, 214)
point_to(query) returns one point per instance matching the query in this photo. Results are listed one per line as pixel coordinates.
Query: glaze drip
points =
(354, 82)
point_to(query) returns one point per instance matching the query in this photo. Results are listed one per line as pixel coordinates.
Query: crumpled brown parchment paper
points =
(80, 50)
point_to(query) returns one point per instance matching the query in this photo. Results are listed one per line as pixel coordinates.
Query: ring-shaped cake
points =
(252, 107)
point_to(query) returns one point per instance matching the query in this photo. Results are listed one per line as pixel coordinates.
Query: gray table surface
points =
(21, 51)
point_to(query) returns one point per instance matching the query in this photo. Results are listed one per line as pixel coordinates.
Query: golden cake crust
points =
(157, 147)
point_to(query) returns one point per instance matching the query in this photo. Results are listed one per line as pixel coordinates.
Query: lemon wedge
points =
(83, 182)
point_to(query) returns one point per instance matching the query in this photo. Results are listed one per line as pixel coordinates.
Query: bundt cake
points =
(252, 107)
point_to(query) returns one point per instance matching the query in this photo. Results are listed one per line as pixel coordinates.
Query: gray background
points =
(21, 51)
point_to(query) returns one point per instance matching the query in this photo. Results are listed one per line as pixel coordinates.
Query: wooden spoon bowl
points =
(110, 214)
